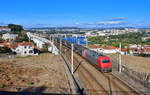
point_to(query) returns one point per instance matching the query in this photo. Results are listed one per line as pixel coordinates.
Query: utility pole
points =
(65, 36)
(60, 46)
(120, 60)
(65, 39)
(78, 42)
(86, 42)
(72, 58)
(51, 38)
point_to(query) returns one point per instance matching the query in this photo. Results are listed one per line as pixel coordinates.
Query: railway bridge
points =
(41, 41)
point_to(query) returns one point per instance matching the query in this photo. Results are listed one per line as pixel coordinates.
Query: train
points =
(102, 62)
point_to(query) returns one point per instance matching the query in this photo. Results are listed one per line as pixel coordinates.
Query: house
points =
(133, 46)
(100, 33)
(5, 29)
(110, 49)
(24, 48)
(135, 51)
(4, 44)
(146, 46)
(90, 33)
(9, 36)
(124, 51)
(95, 47)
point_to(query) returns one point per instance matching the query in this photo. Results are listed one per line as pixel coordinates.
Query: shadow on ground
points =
(30, 91)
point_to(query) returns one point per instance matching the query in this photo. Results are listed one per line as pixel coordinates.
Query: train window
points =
(105, 61)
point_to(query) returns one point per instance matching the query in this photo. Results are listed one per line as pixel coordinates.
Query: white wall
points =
(9, 36)
(109, 51)
(24, 50)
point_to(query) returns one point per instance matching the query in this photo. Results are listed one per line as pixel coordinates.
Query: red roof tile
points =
(124, 49)
(5, 43)
(25, 43)
(15, 45)
(146, 45)
(110, 47)
(94, 46)
(146, 50)
(4, 28)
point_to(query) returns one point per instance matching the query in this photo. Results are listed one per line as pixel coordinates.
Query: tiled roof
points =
(25, 43)
(14, 45)
(124, 49)
(4, 28)
(94, 46)
(136, 50)
(110, 47)
(5, 43)
(146, 45)
(146, 50)
(2, 44)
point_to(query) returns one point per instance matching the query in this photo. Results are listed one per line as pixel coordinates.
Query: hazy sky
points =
(73, 11)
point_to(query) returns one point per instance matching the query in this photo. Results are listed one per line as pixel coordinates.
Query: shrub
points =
(37, 69)
(49, 84)
(1, 86)
(49, 52)
(52, 63)
(30, 83)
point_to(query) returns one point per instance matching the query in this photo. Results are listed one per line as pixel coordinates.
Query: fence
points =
(7, 56)
(140, 77)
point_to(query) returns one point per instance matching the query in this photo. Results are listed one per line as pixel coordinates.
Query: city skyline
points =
(82, 13)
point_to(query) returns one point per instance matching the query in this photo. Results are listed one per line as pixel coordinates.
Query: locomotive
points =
(102, 62)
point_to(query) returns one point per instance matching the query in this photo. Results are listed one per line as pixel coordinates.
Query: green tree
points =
(22, 37)
(5, 50)
(45, 47)
(96, 40)
(15, 28)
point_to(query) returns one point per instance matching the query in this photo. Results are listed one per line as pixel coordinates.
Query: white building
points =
(95, 47)
(5, 29)
(110, 49)
(24, 49)
(101, 34)
(88, 34)
(9, 36)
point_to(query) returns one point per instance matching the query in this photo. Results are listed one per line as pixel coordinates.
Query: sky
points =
(75, 12)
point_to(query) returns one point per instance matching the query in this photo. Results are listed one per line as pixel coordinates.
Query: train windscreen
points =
(105, 61)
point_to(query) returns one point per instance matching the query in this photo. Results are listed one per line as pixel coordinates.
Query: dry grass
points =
(44, 70)
(139, 64)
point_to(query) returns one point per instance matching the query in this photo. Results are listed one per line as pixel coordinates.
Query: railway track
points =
(89, 81)
(92, 86)
(96, 82)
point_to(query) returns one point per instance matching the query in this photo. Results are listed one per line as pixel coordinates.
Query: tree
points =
(15, 28)
(96, 40)
(45, 47)
(22, 37)
(5, 50)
